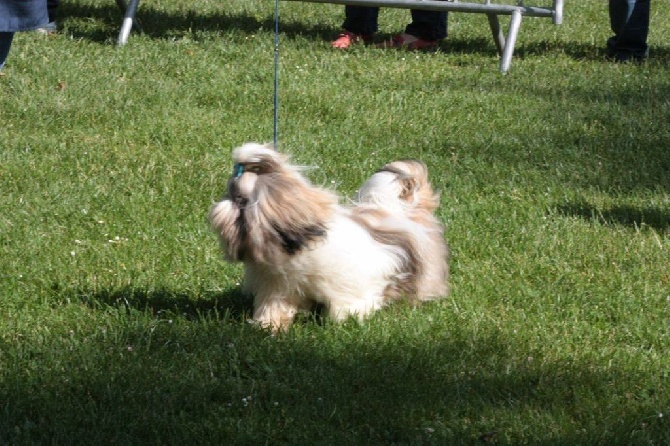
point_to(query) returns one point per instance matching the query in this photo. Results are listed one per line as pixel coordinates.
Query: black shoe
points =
(627, 57)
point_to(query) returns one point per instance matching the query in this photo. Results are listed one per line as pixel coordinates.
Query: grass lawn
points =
(120, 324)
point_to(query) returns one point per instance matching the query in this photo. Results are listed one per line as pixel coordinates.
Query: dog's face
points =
(254, 163)
(270, 210)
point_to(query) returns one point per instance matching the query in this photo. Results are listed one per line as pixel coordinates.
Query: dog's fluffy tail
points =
(400, 185)
(401, 188)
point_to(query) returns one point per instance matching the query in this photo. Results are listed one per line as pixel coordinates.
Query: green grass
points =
(119, 323)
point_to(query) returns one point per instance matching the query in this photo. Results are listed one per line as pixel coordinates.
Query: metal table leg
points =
(128, 19)
(498, 36)
(506, 58)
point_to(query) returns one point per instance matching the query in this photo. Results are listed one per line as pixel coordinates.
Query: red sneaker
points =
(346, 38)
(409, 42)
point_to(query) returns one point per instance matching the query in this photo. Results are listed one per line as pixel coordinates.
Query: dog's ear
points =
(296, 211)
(285, 215)
(225, 218)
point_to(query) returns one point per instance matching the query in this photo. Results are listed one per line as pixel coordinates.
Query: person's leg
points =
(52, 6)
(51, 27)
(428, 25)
(629, 20)
(360, 23)
(424, 33)
(361, 20)
(5, 44)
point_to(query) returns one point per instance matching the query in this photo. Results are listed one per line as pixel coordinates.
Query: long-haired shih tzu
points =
(299, 246)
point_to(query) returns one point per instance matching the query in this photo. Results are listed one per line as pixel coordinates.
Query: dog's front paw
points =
(274, 315)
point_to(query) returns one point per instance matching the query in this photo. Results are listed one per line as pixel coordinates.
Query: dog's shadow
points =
(230, 305)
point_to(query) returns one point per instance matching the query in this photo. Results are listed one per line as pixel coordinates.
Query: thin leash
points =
(275, 118)
(238, 169)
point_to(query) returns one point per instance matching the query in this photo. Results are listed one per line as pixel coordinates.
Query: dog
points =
(299, 246)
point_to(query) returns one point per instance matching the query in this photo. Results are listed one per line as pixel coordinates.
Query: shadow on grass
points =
(215, 384)
(594, 135)
(160, 25)
(629, 216)
(230, 303)
(583, 51)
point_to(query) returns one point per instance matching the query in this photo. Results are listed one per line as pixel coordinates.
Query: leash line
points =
(275, 117)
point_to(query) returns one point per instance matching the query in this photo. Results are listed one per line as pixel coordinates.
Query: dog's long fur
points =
(402, 187)
(299, 246)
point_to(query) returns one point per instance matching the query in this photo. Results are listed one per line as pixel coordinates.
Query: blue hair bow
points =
(238, 170)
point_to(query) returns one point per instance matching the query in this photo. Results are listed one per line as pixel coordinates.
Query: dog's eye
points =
(238, 170)
(255, 168)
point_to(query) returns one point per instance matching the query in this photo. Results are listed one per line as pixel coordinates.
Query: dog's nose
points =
(235, 194)
(240, 200)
